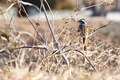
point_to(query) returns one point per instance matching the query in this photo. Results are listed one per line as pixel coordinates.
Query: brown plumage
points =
(83, 30)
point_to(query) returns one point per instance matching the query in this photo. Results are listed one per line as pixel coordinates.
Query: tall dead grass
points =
(55, 52)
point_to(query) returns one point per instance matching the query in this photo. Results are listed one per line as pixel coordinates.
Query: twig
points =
(11, 27)
(85, 57)
(7, 9)
(29, 4)
(69, 45)
(49, 25)
(100, 28)
(40, 36)
(34, 47)
(50, 12)
(53, 35)
(93, 5)
(84, 8)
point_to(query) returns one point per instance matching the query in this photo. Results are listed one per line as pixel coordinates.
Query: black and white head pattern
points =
(82, 22)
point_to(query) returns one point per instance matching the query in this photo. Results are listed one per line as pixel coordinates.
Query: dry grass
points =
(25, 56)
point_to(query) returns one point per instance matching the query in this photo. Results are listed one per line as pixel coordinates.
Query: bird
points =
(83, 29)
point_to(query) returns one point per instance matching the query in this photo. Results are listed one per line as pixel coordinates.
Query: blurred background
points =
(65, 7)
(106, 8)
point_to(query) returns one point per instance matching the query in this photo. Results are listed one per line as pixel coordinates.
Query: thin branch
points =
(34, 47)
(93, 5)
(53, 35)
(40, 36)
(7, 9)
(85, 57)
(50, 12)
(84, 8)
(11, 27)
(29, 4)
(70, 45)
(49, 25)
(100, 28)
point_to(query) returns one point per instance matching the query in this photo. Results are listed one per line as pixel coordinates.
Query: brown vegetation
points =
(29, 52)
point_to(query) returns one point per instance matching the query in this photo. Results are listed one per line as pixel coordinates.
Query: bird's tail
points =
(84, 40)
(85, 48)
(84, 43)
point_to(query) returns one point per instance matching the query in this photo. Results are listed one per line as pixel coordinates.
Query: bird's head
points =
(82, 22)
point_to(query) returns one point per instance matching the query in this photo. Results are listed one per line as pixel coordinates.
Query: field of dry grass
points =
(28, 50)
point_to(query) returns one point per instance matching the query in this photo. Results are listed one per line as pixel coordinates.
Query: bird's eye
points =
(82, 22)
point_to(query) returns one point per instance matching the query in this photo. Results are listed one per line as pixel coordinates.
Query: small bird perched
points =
(83, 29)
